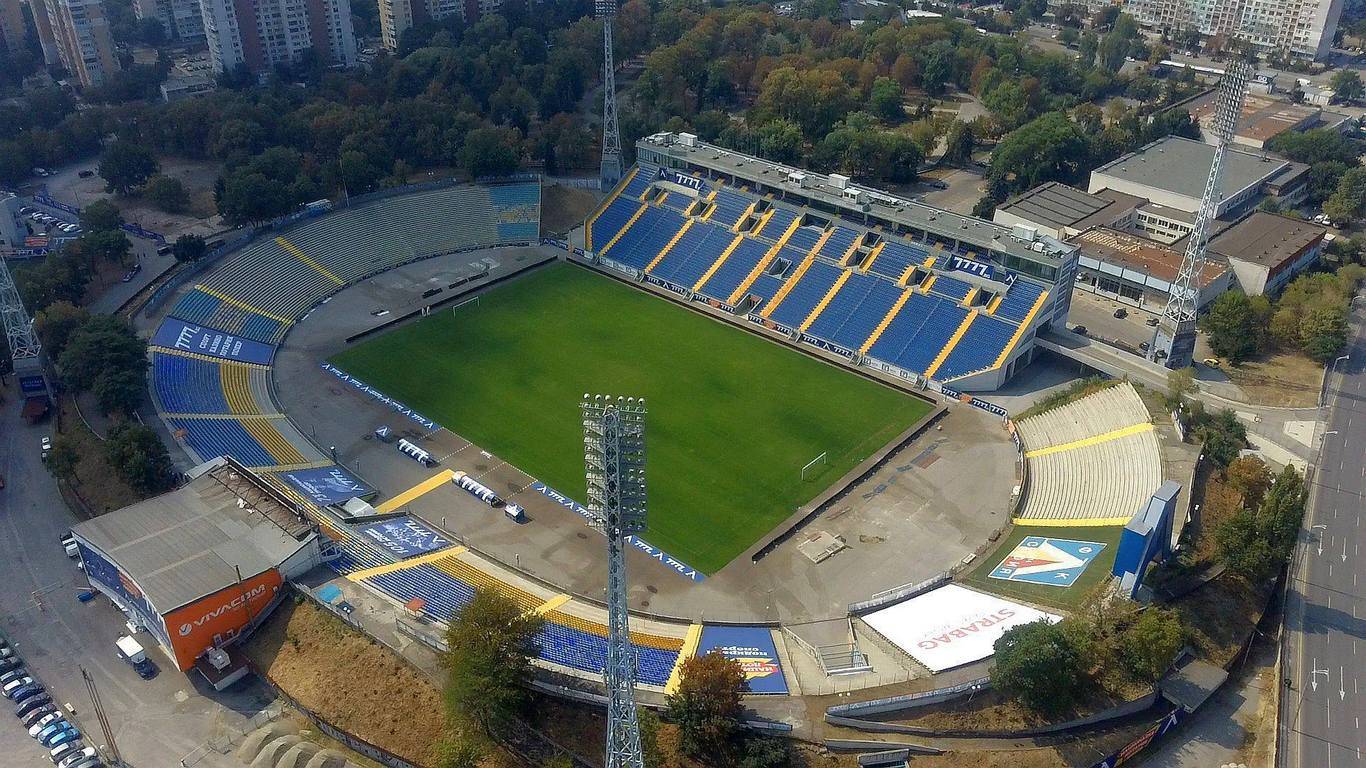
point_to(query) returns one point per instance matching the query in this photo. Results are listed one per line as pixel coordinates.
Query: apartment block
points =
(76, 34)
(397, 16)
(11, 26)
(263, 33)
(182, 19)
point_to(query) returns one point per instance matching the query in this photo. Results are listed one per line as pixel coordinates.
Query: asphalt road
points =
(1325, 652)
(155, 722)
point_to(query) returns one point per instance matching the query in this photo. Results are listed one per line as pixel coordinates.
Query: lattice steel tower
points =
(1175, 333)
(23, 343)
(614, 455)
(610, 171)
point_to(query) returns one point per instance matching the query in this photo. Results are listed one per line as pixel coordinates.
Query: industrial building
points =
(1264, 117)
(200, 565)
(1266, 250)
(1172, 171)
(1060, 211)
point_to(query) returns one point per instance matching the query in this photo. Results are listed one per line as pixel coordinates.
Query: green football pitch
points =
(732, 417)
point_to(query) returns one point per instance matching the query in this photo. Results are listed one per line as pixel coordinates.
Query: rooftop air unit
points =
(687, 139)
(838, 181)
(1025, 232)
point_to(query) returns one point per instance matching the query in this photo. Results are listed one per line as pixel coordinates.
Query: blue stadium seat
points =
(1019, 299)
(588, 652)
(778, 223)
(730, 206)
(612, 219)
(187, 385)
(765, 287)
(895, 257)
(805, 294)
(804, 239)
(950, 288)
(840, 241)
(737, 267)
(693, 254)
(855, 312)
(643, 241)
(983, 342)
(196, 306)
(210, 438)
(443, 593)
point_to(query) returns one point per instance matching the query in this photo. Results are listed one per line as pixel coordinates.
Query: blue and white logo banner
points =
(174, 333)
(404, 536)
(326, 485)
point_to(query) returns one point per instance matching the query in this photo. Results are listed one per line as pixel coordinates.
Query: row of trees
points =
(1309, 317)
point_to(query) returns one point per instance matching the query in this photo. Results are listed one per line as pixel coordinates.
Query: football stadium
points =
(396, 382)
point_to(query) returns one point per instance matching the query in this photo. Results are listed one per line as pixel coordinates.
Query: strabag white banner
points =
(951, 626)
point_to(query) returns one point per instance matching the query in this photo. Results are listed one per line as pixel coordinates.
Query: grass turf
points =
(1062, 597)
(732, 418)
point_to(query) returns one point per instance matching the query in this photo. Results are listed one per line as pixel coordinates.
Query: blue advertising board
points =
(1044, 560)
(326, 485)
(404, 536)
(753, 648)
(174, 333)
(32, 385)
(106, 575)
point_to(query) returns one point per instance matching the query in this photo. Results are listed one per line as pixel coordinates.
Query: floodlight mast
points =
(1175, 334)
(611, 169)
(614, 460)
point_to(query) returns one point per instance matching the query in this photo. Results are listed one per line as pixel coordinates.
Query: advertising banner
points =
(951, 626)
(404, 536)
(366, 389)
(32, 385)
(326, 485)
(1044, 560)
(174, 333)
(1159, 729)
(213, 620)
(753, 648)
(108, 578)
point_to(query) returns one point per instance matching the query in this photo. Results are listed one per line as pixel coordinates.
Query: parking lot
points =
(155, 722)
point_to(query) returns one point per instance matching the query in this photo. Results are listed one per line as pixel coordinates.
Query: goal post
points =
(820, 461)
(467, 302)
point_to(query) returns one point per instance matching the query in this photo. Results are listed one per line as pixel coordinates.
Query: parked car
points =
(89, 762)
(1143, 346)
(28, 705)
(132, 273)
(85, 174)
(64, 733)
(77, 757)
(16, 684)
(1080, 330)
(1153, 321)
(1121, 313)
(47, 446)
(63, 751)
(13, 673)
(27, 692)
(44, 722)
(38, 713)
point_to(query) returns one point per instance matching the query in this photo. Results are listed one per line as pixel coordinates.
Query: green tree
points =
(490, 641)
(56, 323)
(1048, 148)
(189, 248)
(1348, 201)
(1250, 477)
(1148, 645)
(139, 457)
(707, 706)
(1323, 333)
(59, 277)
(780, 140)
(1256, 541)
(167, 193)
(111, 246)
(766, 752)
(1087, 49)
(490, 152)
(126, 166)
(1346, 85)
(959, 143)
(104, 345)
(1222, 436)
(1231, 326)
(885, 100)
(357, 172)
(63, 459)
(1038, 664)
(649, 737)
(101, 216)
(1180, 382)
(119, 391)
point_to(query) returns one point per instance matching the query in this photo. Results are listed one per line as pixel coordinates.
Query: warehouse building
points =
(1137, 271)
(1266, 250)
(1060, 211)
(1172, 171)
(201, 565)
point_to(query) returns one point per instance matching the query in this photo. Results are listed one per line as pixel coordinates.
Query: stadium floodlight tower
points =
(1175, 334)
(614, 456)
(611, 170)
(24, 348)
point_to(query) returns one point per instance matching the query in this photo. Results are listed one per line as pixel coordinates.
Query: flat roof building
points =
(198, 565)
(1172, 171)
(1264, 117)
(1060, 211)
(1137, 271)
(1267, 250)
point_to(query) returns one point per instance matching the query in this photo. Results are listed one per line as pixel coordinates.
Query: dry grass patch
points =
(1284, 379)
(96, 482)
(563, 208)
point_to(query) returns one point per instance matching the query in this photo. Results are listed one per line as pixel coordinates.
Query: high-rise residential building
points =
(1301, 28)
(11, 26)
(262, 33)
(76, 33)
(182, 19)
(396, 16)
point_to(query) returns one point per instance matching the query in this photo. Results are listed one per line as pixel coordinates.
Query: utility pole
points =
(614, 457)
(113, 748)
(611, 170)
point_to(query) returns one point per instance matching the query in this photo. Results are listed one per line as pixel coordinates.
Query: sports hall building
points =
(200, 565)
(923, 294)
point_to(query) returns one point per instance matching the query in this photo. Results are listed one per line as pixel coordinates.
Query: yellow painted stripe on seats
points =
(996, 302)
(768, 257)
(1019, 332)
(719, 261)
(237, 390)
(763, 222)
(303, 465)
(401, 565)
(669, 246)
(929, 281)
(659, 201)
(275, 443)
(820, 242)
(689, 649)
(1080, 522)
(1105, 437)
(629, 222)
(790, 284)
(736, 226)
(825, 300)
(872, 256)
(223, 416)
(616, 192)
(905, 278)
(552, 604)
(948, 348)
(972, 292)
(309, 260)
(226, 299)
(711, 199)
(419, 490)
(886, 320)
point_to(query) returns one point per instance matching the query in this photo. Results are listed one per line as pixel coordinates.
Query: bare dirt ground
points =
(563, 208)
(1288, 380)
(198, 177)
